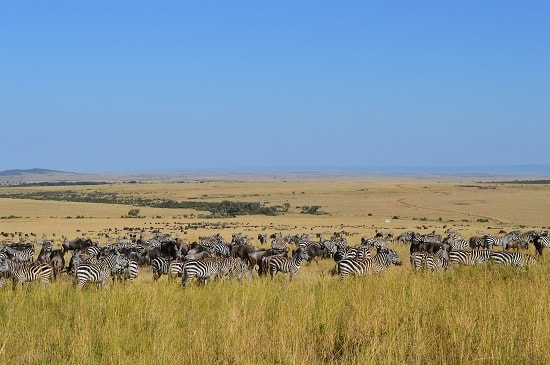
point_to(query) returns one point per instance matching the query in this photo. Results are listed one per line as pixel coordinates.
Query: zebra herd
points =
(432, 253)
(213, 258)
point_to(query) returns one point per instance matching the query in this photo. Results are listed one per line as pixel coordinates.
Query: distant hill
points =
(19, 172)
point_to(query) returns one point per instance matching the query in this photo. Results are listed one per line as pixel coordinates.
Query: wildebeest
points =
(77, 244)
(57, 262)
(516, 245)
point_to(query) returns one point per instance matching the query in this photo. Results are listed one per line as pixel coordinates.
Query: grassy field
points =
(474, 315)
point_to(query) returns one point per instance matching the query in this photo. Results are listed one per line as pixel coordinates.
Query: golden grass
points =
(478, 315)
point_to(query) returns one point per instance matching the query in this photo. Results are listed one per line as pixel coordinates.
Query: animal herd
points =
(210, 258)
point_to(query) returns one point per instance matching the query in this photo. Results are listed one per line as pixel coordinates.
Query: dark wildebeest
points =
(243, 251)
(78, 244)
(57, 261)
(45, 252)
(173, 249)
(314, 251)
(516, 245)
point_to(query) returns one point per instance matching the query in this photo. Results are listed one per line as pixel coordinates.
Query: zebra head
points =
(5, 265)
(302, 253)
(390, 256)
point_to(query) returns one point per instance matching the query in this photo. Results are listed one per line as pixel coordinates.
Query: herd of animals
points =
(212, 257)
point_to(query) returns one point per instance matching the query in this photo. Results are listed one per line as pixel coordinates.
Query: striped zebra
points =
(23, 272)
(175, 269)
(25, 254)
(160, 266)
(99, 270)
(202, 270)
(540, 242)
(512, 258)
(430, 261)
(405, 237)
(469, 258)
(362, 267)
(279, 244)
(333, 245)
(242, 269)
(457, 243)
(350, 252)
(93, 251)
(216, 245)
(477, 242)
(527, 237)
(491, 241)
(129, 272)
(284, 264)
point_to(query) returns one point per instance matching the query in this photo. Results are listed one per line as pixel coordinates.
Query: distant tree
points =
(133, 213)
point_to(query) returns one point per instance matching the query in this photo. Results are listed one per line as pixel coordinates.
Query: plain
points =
(483, 315)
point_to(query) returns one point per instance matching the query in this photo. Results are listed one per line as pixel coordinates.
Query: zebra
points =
(512, 258)
(218, 248)
(22, 272)
(93, 251)
(456, 241)
(175, 269)
(540, 242)
(349, 252)
(376, 242)
(99, 270)
(362, 267)
(200, 269)
(527, 237)
(469, 257)
(430, 261)
(285, 264)
(332, 245)
(160, 267)
(129, 272)
(24, 255)
(405, 237)
(279, 244)
(477, 242)
(490, 241)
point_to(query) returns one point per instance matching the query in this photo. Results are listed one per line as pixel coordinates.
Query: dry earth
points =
(356, 204)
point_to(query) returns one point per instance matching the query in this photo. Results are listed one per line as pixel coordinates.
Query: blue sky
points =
(126, 86)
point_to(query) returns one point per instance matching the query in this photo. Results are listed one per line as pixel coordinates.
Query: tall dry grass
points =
(487, 314)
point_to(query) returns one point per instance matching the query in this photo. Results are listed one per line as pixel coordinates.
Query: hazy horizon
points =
(525, 170)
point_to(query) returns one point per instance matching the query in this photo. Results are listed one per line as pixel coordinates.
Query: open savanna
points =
(476, 315)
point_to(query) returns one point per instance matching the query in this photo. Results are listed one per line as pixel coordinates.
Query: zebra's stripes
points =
(284, 264)
(23, 255)
(540, 242)
(456, 242)
(512, 258)
(99, 271)
(22, 272)
(362, 267)
(469, 258)
(175, 269)
(430, 261)
(129, 272)
(216, 245)
(203, 270)
(491, 241)
(160, 266)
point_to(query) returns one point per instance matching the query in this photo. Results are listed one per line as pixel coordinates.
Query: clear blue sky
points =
(125, 86)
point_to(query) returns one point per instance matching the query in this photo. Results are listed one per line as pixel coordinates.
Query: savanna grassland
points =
(465, 315)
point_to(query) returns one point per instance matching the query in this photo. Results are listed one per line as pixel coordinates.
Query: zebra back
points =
(512, 258)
